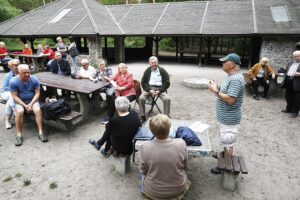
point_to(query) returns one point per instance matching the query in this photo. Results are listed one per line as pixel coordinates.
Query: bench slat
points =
(228, 163)
(243, 165)
(73, 114)
(236, 165)
(221, 161)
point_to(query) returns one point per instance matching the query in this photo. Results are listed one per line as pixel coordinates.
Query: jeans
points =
(74, 63)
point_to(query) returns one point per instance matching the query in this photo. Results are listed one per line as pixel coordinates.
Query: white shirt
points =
(155, 78)
(90, 71)
(293, 69)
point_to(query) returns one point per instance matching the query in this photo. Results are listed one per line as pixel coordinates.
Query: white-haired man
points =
(291, 83)
(25, 90)
(155, 82)
(229, 102)
(259, 75)
(87, 71)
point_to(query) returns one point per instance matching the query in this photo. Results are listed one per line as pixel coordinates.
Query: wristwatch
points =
(217, 93)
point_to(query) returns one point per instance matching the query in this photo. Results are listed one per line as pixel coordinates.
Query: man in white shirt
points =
(86, 71)
(292, 85)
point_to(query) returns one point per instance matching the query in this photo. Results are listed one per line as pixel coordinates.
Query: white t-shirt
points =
(90, 71)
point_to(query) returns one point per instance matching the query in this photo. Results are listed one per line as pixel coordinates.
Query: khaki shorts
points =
(20, 108)
(228, 135)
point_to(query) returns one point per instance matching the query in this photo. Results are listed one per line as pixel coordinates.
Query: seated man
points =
(5, 94)
(28, 51)
(155, 82)
(3, 53)
(51, 55)
(119, 131)
(163, 162)
(259, 75)
(60, 66)
(86, 71)
(25, 90)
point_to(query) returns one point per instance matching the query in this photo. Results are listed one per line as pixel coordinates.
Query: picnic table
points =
(86, 91)
(37, 60)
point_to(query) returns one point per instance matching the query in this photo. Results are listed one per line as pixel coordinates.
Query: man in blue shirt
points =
(25, 90)
(229, 101)
(5, 94)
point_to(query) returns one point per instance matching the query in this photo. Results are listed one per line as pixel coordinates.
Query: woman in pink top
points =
(122, 81)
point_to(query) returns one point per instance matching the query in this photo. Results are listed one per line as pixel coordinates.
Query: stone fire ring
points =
(197, 83)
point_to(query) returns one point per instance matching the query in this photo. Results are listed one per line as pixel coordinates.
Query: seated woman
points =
(122, 81)
(28, 51)
(5, 94)
(119, 131)
(163, 162)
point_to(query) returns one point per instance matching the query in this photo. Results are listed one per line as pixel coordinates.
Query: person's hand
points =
(273, 76)
(212, 86)
(28, 108)
(254, 79)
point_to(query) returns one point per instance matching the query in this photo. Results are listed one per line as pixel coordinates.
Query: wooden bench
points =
(231, 167)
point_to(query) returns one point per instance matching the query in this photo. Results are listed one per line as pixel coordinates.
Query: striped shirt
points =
(233, 86)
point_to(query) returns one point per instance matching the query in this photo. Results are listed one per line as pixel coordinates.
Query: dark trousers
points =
(103, 139)
(292, 97)
(257, 83)
(111, 105)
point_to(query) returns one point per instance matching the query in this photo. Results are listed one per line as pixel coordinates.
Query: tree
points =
(7, 10)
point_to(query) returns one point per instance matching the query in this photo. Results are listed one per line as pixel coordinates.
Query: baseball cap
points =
(232, 57)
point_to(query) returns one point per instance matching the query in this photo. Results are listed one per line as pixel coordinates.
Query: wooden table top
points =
(66, 82)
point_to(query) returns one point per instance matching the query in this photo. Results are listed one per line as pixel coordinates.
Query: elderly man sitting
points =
(155, 82)
(5, 94)
(87, 71)
(25, 90)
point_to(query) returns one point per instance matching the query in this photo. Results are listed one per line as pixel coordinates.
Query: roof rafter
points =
(203, 17)
(159, 19)
(120, 28)
(90, 17)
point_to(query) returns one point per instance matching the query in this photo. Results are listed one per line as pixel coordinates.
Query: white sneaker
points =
(7, 125)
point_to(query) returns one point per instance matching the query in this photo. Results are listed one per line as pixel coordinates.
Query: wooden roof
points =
(219, 17)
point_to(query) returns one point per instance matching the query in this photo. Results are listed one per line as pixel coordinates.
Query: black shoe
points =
(105, 153)
(256, 97)
(215, 170)
(94, 144)
(143, 119)
(19, 141)
(294, 115)
(285, 111)
(265, 96)
(214, 155)
(43, 138)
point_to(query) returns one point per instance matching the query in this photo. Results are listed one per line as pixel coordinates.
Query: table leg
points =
(84, 104)
(35, 65)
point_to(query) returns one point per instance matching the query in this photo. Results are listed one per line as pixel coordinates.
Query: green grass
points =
(27, 182)
(53, 185)
(7, 179)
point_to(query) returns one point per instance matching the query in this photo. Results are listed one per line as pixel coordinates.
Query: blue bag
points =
(188, 136)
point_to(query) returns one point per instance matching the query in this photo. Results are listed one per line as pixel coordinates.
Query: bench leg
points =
(121, 164)
(228, 180)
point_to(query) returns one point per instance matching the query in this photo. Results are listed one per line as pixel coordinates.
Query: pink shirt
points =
(124, 80)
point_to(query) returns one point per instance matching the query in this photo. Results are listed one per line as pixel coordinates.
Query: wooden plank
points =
(221, 161)
(228, 163)
(243, 165)
(66, 82)
(236, 164)
(73, 114)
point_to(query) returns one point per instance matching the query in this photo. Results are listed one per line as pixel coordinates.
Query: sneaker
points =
(265, 96)
(7, 125)
(285, 111)
(105, 120)
(143, 119)
(94, 144)
(104, 153)
(19, 141)
(215, 170)
(294, 115)
(43, 138)
(256, 98)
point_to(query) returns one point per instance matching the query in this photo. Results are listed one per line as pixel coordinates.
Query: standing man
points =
(25, 90)
(229, 101)
(155, 82)
(291, 83)
(259, 75)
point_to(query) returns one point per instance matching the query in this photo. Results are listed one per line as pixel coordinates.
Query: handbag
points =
(188, 136)
(73, 51)
(56, 109)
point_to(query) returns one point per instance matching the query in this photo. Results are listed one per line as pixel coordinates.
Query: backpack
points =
(188, 136)
(73, 51)
(53, 110)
